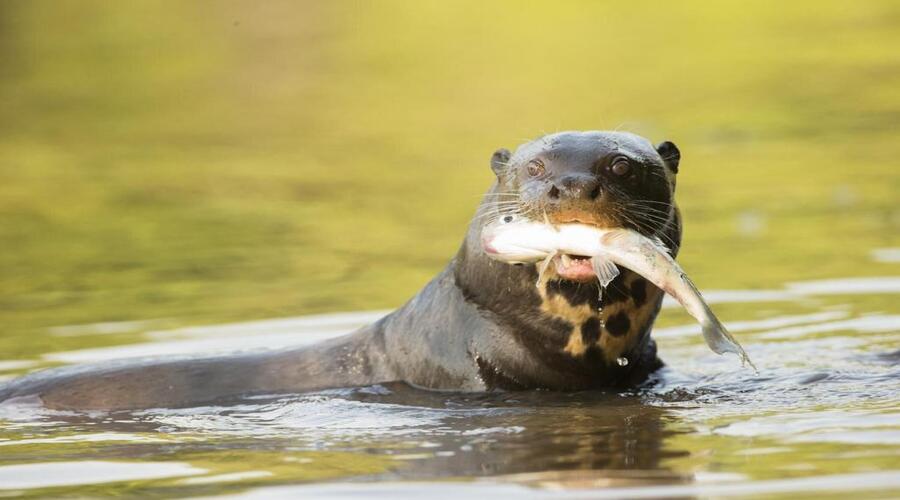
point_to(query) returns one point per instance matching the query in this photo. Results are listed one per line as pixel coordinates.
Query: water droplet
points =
(622, 361)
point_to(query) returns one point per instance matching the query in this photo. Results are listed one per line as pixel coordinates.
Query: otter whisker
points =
(496, 214)
(501, 207)
(640, 208)
(665, 238)
(502, 197)
(651, 210)
(656, 216)
(501, 194)
(502, 212)
(502, 202)
(650, 203)
(663, 217)
(511, 200)
(645, 226)
(651, 218)
(648, 200)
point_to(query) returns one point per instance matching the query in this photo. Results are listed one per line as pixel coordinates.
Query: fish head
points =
(608, 180)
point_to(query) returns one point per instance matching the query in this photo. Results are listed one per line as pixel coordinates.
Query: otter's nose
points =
(576, 186)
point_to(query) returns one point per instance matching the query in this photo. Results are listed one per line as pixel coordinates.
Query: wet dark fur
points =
(479, 325)
(577, 166)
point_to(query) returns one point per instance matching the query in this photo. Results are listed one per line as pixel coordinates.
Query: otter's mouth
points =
(577, 267)
(574, 267)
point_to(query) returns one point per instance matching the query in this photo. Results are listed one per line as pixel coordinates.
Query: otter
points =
(479, 325)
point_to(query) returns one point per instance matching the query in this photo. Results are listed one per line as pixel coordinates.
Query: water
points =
(825, 405)
(177, 178)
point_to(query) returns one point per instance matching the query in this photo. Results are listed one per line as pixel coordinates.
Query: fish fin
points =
(661, 246)
(542, 268)
(605, 269)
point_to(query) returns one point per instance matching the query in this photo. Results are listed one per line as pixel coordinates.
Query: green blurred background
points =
(222, 161)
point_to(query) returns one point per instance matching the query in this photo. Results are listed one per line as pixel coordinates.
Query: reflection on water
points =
(43, 475)
(172, 174)
(823, 406)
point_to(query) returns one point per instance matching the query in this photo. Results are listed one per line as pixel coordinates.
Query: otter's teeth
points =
(566, 260)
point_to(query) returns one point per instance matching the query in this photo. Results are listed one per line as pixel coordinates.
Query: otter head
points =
(607, 179)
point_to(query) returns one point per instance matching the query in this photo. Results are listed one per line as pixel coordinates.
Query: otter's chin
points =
(574, 268)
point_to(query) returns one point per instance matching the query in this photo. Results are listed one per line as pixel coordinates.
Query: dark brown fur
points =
(479, 325)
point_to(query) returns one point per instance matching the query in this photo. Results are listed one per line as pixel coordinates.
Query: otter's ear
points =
(499, 161)
(670, 154)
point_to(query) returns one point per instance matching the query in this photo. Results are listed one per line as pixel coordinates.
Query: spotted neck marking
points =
(628, 307)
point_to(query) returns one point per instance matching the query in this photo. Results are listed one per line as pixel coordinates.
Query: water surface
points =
(824, 405)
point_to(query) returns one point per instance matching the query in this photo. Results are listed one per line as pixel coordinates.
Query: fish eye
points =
(621, 167)
(508, 218)
(535, 167)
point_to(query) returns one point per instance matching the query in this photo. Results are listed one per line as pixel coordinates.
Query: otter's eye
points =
(535, 168)
(621, 168)
(508, 218)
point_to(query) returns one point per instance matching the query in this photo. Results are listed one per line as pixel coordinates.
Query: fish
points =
(518, 240)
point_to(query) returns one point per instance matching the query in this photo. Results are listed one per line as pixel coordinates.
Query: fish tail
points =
(720, 340)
